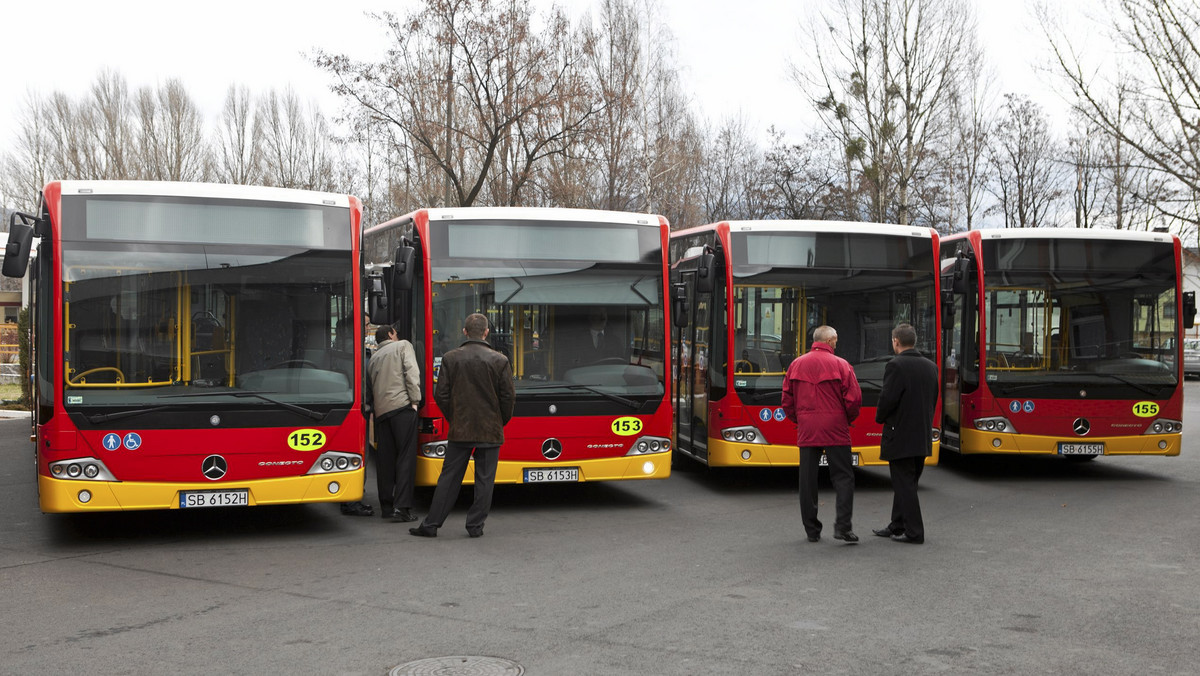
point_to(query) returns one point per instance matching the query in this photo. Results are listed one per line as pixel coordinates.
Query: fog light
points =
(85, 496)
(648, 467)
(1162, 444)
(995, 443)
(334, 487)
(746, 454)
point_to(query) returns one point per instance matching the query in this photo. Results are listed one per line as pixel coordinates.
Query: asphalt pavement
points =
(1031, 566)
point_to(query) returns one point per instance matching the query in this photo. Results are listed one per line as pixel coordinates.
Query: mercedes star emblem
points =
(1081, 426)
(551, 449)
(214, 467)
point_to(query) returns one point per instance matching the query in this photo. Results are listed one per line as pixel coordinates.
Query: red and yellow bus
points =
(1064, 342)
(194, 345)
(755, 291)
(575, 300)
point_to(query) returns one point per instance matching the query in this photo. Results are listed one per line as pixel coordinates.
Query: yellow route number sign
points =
(306, 440)
(1145, 409)
(626, 427)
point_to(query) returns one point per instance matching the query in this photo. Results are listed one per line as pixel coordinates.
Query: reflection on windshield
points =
(775, 313)
(1093, 329)
(588, 332)
(206, 321)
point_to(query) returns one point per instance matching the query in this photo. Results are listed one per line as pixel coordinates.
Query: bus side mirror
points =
(679, 306)
(961, 267)
(947, 306)
(377, 299)
(706, 273)
(404, 268)
(1189, 308)
(16, 252)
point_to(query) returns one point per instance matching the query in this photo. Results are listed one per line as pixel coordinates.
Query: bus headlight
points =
(1164, 426)
(434, 449)
(335, 461)
(82, 469)
(743, 435)
(649, 445)
(995, 424)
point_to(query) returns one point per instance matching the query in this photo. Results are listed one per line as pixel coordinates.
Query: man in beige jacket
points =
(396, 394)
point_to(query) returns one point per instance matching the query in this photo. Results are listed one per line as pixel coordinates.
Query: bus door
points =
(691, 389)
(960, 351)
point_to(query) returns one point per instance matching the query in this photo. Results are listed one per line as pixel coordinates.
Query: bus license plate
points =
(1065, 448)
(824, 461)
(537, 476)
(236, 498)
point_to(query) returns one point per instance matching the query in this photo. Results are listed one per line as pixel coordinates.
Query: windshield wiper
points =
(590, 388)
(759, 396)
(117, 415)
(1143, 388)
(307, 412)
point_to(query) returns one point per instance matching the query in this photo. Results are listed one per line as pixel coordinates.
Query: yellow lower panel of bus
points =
(976, 441)
(723, 453)
(64, 495)
(648, 466)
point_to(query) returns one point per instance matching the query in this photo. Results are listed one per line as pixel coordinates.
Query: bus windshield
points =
(1061, 331)
(148, 321)
(578, 320)
(776, 308)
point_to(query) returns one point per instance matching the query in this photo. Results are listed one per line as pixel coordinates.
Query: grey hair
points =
(824, 334)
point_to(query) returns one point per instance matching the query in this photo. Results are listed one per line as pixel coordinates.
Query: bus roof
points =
(1067, 233)
(209, 190)
(543, 214)
(821, 226)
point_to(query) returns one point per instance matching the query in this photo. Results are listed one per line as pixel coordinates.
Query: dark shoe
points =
(423, 531)
(814, 538)
(475, 532)
(885, 532)
(847, 535)
(403, 516)
(357, 509)
(904, 537)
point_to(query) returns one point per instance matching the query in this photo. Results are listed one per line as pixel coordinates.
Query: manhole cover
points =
(460, 665)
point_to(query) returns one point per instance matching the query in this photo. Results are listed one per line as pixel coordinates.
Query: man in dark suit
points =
(906, 405)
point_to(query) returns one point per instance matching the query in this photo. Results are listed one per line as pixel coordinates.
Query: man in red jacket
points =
(821, 395)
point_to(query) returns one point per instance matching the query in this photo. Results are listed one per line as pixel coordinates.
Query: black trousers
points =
(454, 467)
(396, 460)
(841, 473)
(906, 508)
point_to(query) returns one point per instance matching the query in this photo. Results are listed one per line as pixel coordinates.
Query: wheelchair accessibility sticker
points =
(133, 441)
(779, 415)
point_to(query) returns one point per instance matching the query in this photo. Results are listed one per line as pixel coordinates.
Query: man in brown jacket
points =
(475, 392)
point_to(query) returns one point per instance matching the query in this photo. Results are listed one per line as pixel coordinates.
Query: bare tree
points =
(971, 118)
(29, 166)
(1025, 159)
(802, 178)
(467, 82)
(1153, 109)
(884, 75)
(108, 120)
(171, 143)
(239, 137)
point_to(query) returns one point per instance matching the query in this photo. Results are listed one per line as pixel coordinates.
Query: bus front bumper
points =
(67, 495)
(645, 466)
(977, 441)
(723, 453)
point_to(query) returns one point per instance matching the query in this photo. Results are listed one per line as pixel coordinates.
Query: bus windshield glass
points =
(788, 284)
(179, 301)
(576, 307)
(1068, 314)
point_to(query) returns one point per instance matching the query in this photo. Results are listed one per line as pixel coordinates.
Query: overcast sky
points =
(733, 56)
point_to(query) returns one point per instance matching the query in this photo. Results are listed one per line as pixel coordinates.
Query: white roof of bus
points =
(209, 190)
(1074, 233)
(829, 226)
(543, 214)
